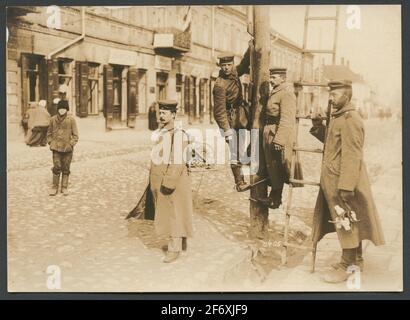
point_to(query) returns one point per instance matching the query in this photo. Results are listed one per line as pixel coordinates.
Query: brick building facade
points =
(117, 61)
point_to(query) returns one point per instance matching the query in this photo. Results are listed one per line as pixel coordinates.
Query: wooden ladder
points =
(296, 147)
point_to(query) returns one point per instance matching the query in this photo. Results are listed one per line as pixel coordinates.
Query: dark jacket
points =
(228, 91)
(62, 134)
(343, 168)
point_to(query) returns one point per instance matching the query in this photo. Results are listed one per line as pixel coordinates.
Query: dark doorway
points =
(117, 91)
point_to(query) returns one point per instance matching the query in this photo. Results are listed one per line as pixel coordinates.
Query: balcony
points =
(172, 42)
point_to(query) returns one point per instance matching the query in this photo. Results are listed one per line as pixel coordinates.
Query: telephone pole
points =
(260, 55)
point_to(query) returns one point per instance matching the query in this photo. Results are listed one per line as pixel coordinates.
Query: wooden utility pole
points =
(260, 91)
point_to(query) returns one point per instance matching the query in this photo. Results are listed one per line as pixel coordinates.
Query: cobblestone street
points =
(86, 236)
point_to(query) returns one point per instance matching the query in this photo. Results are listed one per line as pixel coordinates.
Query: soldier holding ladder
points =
(345, 203)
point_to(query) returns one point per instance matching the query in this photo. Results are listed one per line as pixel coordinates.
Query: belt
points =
(271, 119)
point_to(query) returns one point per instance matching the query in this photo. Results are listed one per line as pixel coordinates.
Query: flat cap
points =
(168, 105)
(63, 104)
(226, 58)
(277, 70)
(338, 84)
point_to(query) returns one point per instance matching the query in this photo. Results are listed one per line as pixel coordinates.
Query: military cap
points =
(62, 104)
(338, 84)
(168, 105)
(277, 70)
(226, 58)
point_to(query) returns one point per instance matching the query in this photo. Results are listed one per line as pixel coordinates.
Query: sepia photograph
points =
(204, 148)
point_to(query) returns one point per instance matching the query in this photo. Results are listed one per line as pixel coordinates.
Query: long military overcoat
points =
(343, 168)
(173, 212)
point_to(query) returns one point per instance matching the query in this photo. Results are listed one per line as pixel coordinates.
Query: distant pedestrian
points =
(152, 117)
(39, 119)
(62, 135)
(27, 121)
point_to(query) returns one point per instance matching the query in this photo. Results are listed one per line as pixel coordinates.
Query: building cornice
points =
(233, 11)
(35, 28)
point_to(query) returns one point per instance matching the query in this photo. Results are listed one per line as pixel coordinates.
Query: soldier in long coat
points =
(170, 183)
(227, 95)
(279, 135)
(344, 182)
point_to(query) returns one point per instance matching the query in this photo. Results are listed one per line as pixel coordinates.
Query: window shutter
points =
(84, 90)
(108, 96)
(202, 83)
(211, 107)
(43, 79)
(24, 84)
(186, 95)
(192, 111)
(52, 85)
(77, 87)
(132, 106)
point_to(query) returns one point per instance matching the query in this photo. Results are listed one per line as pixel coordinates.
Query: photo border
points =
(5, 295)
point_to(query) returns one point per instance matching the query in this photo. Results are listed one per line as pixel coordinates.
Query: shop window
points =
(34, 79)
(162, 82)
(93, 101)
(65, 75)
(179, 82)
(117, 85)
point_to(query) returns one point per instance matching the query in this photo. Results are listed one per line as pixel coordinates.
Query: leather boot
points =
(358, 261)
(54, 189)
(64, 185)
(340, 272)
(240, 183)
(274, 200)
(184, 245)
(171, 256)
